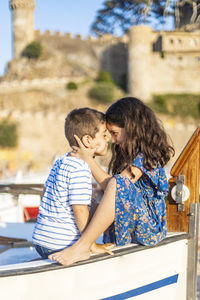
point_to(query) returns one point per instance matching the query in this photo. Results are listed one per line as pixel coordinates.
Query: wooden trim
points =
(17, 189)
(187, 164)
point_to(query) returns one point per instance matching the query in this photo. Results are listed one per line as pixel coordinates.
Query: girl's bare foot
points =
(70, 255)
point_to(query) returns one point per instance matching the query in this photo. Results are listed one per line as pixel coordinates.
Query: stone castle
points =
(153, 62)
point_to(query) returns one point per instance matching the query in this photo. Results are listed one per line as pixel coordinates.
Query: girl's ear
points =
(87, 141)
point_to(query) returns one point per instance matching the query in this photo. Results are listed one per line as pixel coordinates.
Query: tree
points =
(33, 50)
(104, 76)
(8, 134)
(117, 16)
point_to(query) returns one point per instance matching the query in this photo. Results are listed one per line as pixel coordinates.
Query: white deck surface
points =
(19, 255)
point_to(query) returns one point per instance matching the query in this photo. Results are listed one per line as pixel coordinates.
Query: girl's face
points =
(117, 133)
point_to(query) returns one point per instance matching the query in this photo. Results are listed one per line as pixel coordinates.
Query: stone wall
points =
(106, 52)
(49, 84)
(180, 60)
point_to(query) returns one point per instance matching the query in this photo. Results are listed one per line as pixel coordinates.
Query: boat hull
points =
(136, 272)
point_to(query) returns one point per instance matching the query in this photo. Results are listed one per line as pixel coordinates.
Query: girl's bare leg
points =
(103, 217)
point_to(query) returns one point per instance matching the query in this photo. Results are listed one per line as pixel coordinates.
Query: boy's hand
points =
(102, 248)
(82, 152)
(133, 173)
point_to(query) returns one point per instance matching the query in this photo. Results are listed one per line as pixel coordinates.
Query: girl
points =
(133, 204)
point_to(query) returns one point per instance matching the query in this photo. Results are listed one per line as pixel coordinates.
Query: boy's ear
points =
(87, 140)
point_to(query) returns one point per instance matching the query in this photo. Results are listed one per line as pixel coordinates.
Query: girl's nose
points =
(107, 138)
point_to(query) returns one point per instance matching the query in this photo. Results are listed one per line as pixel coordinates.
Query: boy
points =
(64, 212)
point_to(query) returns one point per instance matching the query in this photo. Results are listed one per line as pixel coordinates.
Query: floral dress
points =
(140, 211)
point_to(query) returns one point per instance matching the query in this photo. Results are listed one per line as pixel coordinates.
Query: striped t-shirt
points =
(69, 182)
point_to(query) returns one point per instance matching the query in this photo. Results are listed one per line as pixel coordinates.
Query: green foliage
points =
(181, 105)
(8, 134)
(71, 85)
(104, 76)
(102, 92)
(33, 50)
(160, 104)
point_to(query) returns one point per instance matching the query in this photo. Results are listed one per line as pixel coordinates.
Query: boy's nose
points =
(113, 139)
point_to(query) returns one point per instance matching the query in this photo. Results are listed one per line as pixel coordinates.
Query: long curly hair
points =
(144, 134)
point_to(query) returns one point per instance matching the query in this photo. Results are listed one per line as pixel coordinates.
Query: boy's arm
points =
(81, 213)
(133, 173)
(43, 192)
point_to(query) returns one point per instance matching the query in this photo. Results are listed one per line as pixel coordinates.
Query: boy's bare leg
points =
(93, 208)
(96, 199)
(103, 217)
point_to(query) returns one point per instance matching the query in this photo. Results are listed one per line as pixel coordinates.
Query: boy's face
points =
(100, 141)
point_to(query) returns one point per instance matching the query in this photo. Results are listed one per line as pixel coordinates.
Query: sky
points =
(73, 16)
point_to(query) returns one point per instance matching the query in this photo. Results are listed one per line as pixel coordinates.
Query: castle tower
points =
(140, 47)
(23, 25)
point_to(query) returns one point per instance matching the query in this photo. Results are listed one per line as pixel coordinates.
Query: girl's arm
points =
(87, 154)
(81, 213)
(98, 173)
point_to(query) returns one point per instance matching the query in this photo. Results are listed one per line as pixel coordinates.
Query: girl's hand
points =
(102, 248)
(81, 151)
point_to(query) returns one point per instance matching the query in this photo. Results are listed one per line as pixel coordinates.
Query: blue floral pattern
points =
(140, 212)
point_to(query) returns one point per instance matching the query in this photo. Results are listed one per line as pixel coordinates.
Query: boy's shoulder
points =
(74, 162)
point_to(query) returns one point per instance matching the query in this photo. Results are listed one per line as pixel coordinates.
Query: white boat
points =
(167, 271)
(20, 197)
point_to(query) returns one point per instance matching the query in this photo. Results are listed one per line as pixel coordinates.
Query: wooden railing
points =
(17, 189)
(188, 165)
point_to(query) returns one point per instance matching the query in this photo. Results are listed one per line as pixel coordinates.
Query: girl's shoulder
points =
(138, 162)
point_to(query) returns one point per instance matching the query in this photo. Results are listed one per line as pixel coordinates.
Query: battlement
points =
(14, 4)
(106, 38)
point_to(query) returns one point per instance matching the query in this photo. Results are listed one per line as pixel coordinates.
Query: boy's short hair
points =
(82, 121)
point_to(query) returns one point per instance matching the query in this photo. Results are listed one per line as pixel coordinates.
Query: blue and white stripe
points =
(69, 183)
